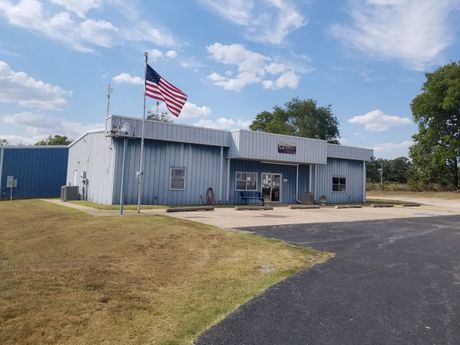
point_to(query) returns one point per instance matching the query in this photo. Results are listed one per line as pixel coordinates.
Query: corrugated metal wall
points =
(40, 171)
(288, 191)
(264, 146)
(352, 170)
(202, 164)
(94, 154)
(349, 152)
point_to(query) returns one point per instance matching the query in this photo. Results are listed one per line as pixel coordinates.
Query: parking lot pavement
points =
(392, 282)
(230, 218)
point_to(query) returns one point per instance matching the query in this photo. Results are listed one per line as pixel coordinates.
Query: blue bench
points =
(252, 195)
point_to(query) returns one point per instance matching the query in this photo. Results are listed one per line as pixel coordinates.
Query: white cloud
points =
(413, 31)
(171, 54)
(252, 68)
(391, 150)
(378, 121)
(223, 123)
(20, 88)
(40, 125)
(18, 140)
(263, 20)
(80, 35)
(79, 32)
(156, 54)
(128, 79)
(193, 111)
(79, 7)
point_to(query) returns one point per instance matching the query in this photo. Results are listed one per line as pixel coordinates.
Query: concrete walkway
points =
(229, 218)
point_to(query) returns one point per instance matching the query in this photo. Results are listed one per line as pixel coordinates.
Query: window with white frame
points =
(177, 179)
(245, 181)
(339, 184)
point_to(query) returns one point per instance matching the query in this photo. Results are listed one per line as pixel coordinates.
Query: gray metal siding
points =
(351, 170)
(349, 152)
(39, 170)
(94, 154)
(264, 146)
(171, 132)
(202, 164)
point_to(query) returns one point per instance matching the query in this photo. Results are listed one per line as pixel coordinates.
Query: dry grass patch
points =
(114, 207)
(70, 278)
(438, 195)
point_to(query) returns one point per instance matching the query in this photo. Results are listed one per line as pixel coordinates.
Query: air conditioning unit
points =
(69, 193)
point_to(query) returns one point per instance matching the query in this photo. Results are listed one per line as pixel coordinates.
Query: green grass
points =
(70, 278)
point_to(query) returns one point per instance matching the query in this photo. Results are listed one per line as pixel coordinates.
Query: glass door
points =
(271, 187)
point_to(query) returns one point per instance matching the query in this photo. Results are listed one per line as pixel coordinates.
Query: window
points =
(339, 184)
(246, 180)
(177, 179)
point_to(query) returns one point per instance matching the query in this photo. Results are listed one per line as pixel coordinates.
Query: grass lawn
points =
(439, 195)
(70, 278)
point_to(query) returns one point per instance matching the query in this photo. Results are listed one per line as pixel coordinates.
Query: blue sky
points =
(234, 59)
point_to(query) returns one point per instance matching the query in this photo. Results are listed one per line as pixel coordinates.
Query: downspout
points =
(1, 169)
(228, 180)
(221, 179)
(364, 181)
(297, 185)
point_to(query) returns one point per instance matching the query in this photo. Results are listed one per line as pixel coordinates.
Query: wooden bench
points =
(251, 195)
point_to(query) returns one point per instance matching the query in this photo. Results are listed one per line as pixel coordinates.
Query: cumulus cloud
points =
(19, 140)
(126, 78)
(223, 123)
(252, 68)
(378, 121)
(263, 20)
(77, 34)
(40, 125)
(391, 149)
(22, 89)
(193, 111)
(156, 54)
(413, 31)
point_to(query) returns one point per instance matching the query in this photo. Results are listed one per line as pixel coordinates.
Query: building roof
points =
(242, 144)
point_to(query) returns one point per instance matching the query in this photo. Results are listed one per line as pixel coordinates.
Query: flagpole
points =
(140, 176)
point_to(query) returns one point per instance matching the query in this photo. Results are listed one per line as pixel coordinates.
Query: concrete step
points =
(253, 208)
(382, 205)
(190, 208)
(348, 206)
(303, 207)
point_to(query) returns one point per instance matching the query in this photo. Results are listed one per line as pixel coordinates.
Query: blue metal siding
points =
(202, 164)
(288, 191)
(40, 171)
(351, 170)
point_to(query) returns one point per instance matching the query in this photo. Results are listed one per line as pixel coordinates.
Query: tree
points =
(55, 140)
(4, 142)
(394, 170)
(163, 116)
(437, 112)
(302, 118)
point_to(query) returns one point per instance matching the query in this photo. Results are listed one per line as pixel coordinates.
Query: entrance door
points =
(271, 187)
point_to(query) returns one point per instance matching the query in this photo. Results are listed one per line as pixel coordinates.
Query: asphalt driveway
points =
(392, 282)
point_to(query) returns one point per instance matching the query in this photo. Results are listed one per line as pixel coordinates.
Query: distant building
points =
(32, 171)
(183, 162)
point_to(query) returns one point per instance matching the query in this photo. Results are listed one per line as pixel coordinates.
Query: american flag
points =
(159, 88)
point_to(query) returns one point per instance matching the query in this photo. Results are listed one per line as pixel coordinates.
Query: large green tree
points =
(302, 118)
(437, 112)
(55, 140)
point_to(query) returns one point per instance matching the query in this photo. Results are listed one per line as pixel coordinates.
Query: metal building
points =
(181, 162)
(32, 171)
